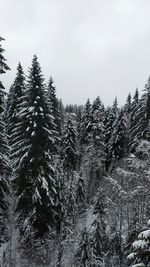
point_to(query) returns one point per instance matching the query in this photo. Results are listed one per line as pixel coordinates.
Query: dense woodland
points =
(74, 180)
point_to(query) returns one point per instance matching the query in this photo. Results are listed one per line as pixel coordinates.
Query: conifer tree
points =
(83, 255)
(80, 193)
(35, 178)
(55, 107)
(99, 237)
(133, 122)
(109, 122)
(85, 128)
(97, 128)
(14, 102)
(143, 115)
(69, 142)
(118, 141)
(128, 104)
(4, 152)
(140, 256)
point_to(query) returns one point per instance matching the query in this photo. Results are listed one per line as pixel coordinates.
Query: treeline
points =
(60, 163)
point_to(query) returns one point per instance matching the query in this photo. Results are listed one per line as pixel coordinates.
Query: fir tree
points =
(35, 178)
(14, 102)
(55, 107)
(85, 127)
(97, 128)
(133, 122)
(4, 152)
(80, 193)
(69, 142)
(140, 256)
(109, 122)
(118, 141)
(99, 236)
(83, 255)
(142, 127)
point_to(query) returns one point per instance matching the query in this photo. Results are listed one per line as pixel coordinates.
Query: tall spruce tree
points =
(4, 151)
(83, 254)
(55, 107)
(14, 102)
(69, 142)
(142, 127)
(133, 122)
(97, 128)
(109, 122)
(85, 128)
(140, 255)
(118, 141)
(99, 237)
(35, 179)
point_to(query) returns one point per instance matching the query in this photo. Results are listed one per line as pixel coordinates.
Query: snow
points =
(131, 256)
(145, 234)
(139, 244)
(138, 265)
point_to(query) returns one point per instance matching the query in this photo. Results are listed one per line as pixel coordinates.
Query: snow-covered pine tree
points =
(140, 255)
(115, 252)
(14, 102)
(85, 127)
(128, 104)
(99, 243)
(142, 127)
(69, 142)
(55, 107)
(118, 141)
(83, 254)
(4, 151)
(80, 192)
(35, 183)
(111, 115)
(133, 122)
(98, 129)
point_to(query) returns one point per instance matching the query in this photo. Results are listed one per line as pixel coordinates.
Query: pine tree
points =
(80, 192)
(99, 237)
(4, 151)
(97, 128)
(35, 178)
(128, 104)
(143, 115)
(109, 122)
(55, 107)
(14, 101)
(133, 122)
(69, 142)
(85, 128)
(140, 256)
(118, 141)
(83, 255)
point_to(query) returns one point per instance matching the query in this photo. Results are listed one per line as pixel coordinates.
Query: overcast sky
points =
(89, 47)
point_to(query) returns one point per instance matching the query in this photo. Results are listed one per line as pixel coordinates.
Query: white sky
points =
(90, 47)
